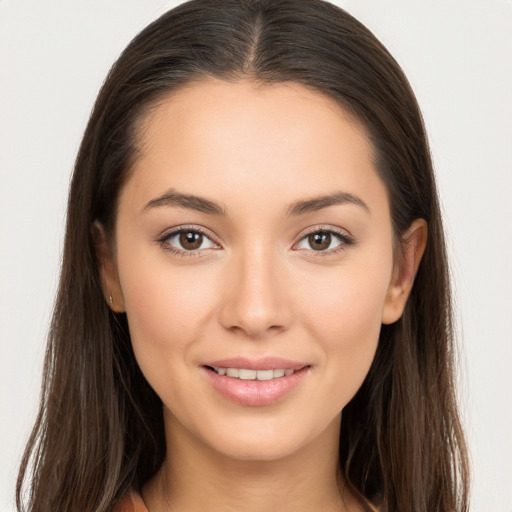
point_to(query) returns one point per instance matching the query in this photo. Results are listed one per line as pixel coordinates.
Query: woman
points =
(254, 304)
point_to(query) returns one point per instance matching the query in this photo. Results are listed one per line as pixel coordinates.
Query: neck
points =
(195, 477)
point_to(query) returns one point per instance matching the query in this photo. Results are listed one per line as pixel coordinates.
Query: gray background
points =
(457, 55)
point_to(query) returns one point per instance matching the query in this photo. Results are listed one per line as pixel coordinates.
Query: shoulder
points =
(131, 503)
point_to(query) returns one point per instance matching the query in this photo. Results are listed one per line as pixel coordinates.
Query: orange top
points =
(131, 503)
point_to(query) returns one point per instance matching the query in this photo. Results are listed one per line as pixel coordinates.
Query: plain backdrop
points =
(458, 56)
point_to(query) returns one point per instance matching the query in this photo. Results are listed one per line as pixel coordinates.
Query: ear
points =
(413, 243)
(107, 269)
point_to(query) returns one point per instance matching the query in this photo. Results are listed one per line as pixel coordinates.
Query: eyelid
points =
(171, 232)
(346, 239)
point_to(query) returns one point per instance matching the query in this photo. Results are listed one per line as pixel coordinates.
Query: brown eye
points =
(319, 241)
(324, 241)
(187, 240)
(190, 240)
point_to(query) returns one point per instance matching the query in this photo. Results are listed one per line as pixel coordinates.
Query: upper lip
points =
(264, 363)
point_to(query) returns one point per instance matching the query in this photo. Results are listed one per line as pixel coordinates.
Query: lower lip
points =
(256, 392)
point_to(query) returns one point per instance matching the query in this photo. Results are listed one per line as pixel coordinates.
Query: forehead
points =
(221, 107)
(250, 138)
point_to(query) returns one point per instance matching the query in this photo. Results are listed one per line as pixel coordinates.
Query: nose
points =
(255, 299)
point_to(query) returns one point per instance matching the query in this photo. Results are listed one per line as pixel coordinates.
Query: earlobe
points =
(413, 246)
(107, 269)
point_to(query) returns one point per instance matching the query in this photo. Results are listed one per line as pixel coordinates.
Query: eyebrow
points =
(173, 198)
(318, 203)
(201, 204)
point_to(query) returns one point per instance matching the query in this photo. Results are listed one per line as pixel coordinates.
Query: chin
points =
(258, 450)
(267, 441)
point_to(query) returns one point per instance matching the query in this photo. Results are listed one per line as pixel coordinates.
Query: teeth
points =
(265, 374)
(245, 374)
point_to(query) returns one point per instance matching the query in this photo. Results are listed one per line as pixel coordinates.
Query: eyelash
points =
(344, 239)
(164, 239)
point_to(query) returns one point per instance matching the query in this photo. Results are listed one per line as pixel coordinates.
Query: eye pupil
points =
(319, 241)
(191, 240)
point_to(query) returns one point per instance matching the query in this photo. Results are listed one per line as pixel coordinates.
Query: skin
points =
(256, 287)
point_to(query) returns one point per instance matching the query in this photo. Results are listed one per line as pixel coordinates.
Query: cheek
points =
(344, 314)
(166, 308)
(348, 309)
(348, 299)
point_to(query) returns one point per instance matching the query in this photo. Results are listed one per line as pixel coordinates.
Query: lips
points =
(255, 382)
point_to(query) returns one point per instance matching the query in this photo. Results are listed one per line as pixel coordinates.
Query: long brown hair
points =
(99, 431)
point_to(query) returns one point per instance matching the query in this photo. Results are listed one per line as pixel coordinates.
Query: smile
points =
(248, 374)
(255, 382)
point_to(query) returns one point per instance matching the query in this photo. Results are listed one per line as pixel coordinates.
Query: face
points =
(254, 260)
